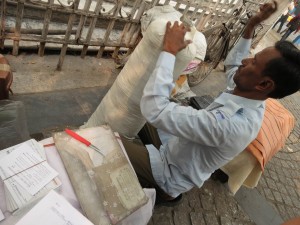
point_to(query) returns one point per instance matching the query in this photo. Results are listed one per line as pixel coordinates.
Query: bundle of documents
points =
(26, 174)
(54, 209)
(104, 181)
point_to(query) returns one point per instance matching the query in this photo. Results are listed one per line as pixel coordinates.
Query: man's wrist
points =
(171, 51)
(254, 21)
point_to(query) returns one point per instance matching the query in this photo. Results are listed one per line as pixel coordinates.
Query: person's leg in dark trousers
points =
(287, 33)
(282, 21)
(148, 135)
(139, 158)
(278, 21)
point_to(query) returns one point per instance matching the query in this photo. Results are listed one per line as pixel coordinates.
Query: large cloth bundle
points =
(120, 108)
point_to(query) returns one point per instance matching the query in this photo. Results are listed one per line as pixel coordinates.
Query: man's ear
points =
(266, 85)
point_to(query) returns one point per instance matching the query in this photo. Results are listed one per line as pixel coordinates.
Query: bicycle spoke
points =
(216, 42)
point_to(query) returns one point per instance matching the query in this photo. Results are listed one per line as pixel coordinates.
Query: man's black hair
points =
(285, 70)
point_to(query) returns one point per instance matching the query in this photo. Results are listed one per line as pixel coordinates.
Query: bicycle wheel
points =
(216, 42)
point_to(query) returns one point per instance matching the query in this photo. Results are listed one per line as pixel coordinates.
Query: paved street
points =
(68, 98)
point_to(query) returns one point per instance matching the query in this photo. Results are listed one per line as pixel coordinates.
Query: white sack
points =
(120, 107)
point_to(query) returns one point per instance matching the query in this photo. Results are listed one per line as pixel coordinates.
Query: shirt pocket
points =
(227, 111)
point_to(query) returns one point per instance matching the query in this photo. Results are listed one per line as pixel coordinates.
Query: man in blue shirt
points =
(289, 12)
(194, 143)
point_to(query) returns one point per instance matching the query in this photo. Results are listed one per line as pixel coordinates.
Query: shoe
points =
(171, 203)
(219, 175)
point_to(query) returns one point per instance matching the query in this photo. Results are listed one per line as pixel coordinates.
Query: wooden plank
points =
(129, 35)
(45, 31)
(135, 36)
(124, 33)
(167, 2)
(67, 37)
(127, 26)
(116, 52)
(27, 37)
(143, 7)
(185, 11)
(91, 29)
(108, 31)
(38, 31)
(137, 3)
(82, 21)
(154, 3)
(19, 17)
(194, 14)
(2, 23)
(177, 5)
(100, 52)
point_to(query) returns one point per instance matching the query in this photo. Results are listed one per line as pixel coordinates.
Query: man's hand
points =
(265, 11)
(174, 38)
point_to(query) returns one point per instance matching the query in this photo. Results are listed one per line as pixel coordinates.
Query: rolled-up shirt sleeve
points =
(199, 126)
(234, 59)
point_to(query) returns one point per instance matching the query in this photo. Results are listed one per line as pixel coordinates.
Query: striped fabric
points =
(277, 124)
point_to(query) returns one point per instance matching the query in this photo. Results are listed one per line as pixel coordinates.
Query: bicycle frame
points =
(220, 39)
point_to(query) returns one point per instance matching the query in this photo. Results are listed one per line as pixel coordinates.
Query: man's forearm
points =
(250, 27)
(265, 12)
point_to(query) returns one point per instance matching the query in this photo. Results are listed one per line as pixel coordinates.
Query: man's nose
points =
(245, 61)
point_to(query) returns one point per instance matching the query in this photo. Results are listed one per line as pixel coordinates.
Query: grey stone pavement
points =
(56, 99)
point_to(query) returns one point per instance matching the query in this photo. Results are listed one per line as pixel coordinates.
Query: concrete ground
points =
(54, 100)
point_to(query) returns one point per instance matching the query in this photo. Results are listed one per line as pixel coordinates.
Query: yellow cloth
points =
(244, 169)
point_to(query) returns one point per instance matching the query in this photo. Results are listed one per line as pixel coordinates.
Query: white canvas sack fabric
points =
(120, 107)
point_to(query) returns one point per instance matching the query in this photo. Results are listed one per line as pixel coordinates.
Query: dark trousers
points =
(139, 158)
(286, 34)
(281, 20)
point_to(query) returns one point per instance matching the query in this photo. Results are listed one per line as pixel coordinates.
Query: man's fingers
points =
(168, 25)
(275, 5)
(187, 29)
(187, 42)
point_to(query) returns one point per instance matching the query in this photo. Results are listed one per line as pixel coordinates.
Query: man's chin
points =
(235, 77)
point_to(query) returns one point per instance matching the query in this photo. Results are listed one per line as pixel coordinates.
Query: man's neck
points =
(249, 95)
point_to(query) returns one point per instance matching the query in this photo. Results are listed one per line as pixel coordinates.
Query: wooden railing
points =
(95, 24)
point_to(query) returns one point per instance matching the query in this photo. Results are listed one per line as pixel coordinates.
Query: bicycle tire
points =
(216, 44)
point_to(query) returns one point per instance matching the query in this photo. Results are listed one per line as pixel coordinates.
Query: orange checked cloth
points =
(247, 167)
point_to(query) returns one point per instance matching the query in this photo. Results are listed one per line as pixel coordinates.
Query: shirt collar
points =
(243, 102)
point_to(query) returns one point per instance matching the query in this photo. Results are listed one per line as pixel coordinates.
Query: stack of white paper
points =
(26, 174)
(53, 210)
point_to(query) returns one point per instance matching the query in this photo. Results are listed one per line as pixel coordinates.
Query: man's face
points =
(250, 74)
